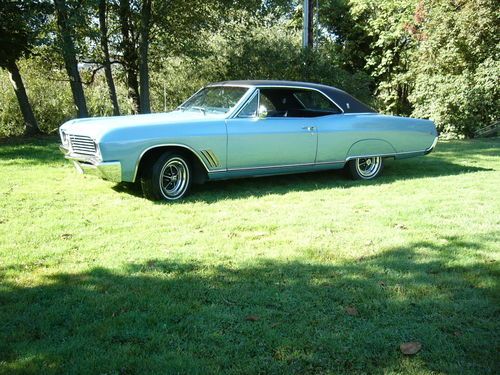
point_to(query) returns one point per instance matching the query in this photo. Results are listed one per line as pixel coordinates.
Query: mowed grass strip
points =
(308, 273)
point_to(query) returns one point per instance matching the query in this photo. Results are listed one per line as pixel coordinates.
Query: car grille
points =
(81, 144)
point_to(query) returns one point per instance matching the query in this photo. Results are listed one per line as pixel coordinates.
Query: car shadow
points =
(394, 170)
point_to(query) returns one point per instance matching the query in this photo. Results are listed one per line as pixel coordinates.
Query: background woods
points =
(67, 58)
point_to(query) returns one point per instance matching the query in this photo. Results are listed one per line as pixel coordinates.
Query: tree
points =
(64, 23)
(390, 49)
(103, 37)
(19, 27)
(129, 52)
(456, 66)
(348, 31)
(145, 106)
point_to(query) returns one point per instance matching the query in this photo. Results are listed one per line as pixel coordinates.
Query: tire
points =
(168, 178)
(365, 168)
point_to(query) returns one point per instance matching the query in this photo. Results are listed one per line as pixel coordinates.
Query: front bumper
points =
(111, 171)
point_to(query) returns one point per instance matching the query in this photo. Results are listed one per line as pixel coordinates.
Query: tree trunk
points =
(69, 55)
(30, 124)
(310, 34)
(107, 64)
(129, 54)
(143, 56)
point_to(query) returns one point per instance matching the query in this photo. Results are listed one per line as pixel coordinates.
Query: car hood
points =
(97, 127)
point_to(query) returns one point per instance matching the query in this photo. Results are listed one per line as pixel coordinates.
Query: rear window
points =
(315, 101)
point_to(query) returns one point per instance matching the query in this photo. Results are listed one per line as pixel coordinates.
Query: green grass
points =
(96, 279)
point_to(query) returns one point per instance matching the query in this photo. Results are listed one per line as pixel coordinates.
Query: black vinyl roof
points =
(348, 103)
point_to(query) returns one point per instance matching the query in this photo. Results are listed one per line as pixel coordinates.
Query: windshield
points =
(216, 99)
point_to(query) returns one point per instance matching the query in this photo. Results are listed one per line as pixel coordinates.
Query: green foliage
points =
(456, 66)
(390, 45)
(20, 23)
(428, 58)
(51, 98)
(249, 51)
(424, 58)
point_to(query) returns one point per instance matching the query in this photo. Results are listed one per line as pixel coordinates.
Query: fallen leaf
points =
(410, 348)
(66, 236)
(351, 311)
(252, 318)
(400, 226)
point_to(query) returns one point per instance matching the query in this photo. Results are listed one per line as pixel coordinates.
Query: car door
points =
(259, 142)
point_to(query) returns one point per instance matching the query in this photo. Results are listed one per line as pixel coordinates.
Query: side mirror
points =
(262, 112)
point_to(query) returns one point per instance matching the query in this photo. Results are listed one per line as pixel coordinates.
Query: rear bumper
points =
(111, 171)
(429, 150)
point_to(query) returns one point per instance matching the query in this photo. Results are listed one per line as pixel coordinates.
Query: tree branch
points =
(92, 77)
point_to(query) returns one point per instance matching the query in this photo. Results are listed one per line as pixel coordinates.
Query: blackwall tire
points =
(169, 178)
(365, 168)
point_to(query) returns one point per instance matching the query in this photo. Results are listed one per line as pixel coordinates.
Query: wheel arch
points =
(369, 148)
(149, 155)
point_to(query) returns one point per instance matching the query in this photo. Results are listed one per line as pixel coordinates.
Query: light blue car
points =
(244, 128)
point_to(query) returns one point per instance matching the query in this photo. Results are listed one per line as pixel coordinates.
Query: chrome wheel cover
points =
(174, 178)
(368, 167)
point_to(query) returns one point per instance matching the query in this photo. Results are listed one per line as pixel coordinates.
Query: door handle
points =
(309, 128)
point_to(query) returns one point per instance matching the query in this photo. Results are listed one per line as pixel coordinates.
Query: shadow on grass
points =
(270, 317)
(213, 191)
(434, 165)
(393, 171)
(34, 151)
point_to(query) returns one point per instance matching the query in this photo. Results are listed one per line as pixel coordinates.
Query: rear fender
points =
(370, 147)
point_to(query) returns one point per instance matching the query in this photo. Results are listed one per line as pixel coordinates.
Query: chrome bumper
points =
(111, 171)
(430, 149)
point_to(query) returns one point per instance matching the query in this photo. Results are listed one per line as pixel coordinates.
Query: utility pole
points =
(307, 34)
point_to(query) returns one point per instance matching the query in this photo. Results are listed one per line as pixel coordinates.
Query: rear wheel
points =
(168, 178)
(365, 168)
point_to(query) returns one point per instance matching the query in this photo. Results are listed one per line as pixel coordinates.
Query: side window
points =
(266, 102)
(250, 109)
(315, 101)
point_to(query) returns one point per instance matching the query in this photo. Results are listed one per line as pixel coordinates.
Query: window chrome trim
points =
(259, 87)
(237, 105)
(188, 99)
(255, 92)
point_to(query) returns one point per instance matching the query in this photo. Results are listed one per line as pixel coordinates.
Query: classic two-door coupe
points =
(244, 128)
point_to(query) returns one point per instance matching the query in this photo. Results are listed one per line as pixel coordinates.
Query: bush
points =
(251, 53)
(456, 66)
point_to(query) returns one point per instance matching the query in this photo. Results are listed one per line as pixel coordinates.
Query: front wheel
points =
(365, 168)
(169, 178)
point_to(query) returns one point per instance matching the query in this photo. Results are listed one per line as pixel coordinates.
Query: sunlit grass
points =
(96, 279)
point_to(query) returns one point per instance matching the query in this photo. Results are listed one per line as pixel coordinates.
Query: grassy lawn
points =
(297, 274)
